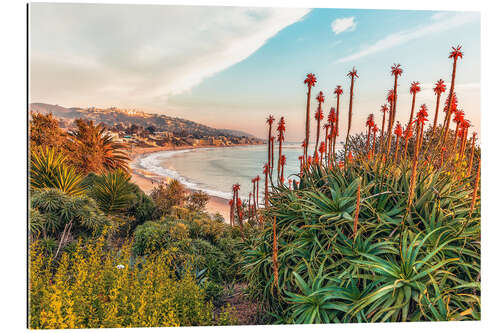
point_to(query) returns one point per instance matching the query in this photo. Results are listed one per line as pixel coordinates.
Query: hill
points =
(125, 118)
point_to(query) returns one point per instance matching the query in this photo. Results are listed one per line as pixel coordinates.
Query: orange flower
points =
(422, 114)
(456, 52)
(398, 131)
(310, 80)
(396, 70)
(414, 87)
(320, 98)
(350, 157)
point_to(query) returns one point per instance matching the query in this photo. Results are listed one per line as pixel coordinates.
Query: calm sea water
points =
(215, 170)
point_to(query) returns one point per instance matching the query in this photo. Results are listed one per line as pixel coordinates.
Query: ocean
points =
(215, 170)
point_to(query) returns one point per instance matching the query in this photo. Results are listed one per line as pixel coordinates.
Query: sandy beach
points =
(147, 180)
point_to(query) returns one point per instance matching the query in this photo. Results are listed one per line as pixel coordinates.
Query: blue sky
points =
(237, 65)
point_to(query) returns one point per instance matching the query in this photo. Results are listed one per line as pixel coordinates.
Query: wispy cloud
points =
(343, 24)
(444, 23)
(140, 54)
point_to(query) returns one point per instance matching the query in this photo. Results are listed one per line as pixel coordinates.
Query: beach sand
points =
(147, 180)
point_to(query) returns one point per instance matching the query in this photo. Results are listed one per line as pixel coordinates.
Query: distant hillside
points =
(236, 133)
(114, 116)
(56, 110)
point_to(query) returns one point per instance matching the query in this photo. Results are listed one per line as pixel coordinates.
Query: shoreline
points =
(139, 151)
(146, 180)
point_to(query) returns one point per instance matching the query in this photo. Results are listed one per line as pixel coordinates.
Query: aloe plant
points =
(49, 170)
(327, 273)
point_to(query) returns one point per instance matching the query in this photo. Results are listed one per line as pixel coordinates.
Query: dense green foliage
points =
(49, 170)
(51, 210)
(423, 265)
(95, 261)
(206, 242)
(96, 287)
(113, 191)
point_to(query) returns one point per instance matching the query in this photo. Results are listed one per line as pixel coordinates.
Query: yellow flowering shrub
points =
(95, 287)
(179, 231)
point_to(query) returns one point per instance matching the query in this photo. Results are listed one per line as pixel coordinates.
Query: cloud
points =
(343, 24)
(140, 54)
(401, 37)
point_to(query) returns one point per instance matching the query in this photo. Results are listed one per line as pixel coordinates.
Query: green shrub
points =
(166, 196)
(141, 208)
(52, 210)
(425, 269)
(98, 287)
(213, 292)
(113, 191)
(150, 237)
(197, 200)
(49, 170)
(201, 242)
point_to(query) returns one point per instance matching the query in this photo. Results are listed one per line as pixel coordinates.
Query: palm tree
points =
(414, 89)
(318, 116)
(396, 71)
(311, 82)
(94, 150)
(398, 131)
(269, 121)
(281, 139)
(438, 90)
(352, 74)
(455, 54)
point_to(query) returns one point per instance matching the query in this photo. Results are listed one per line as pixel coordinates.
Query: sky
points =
(230, 67)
